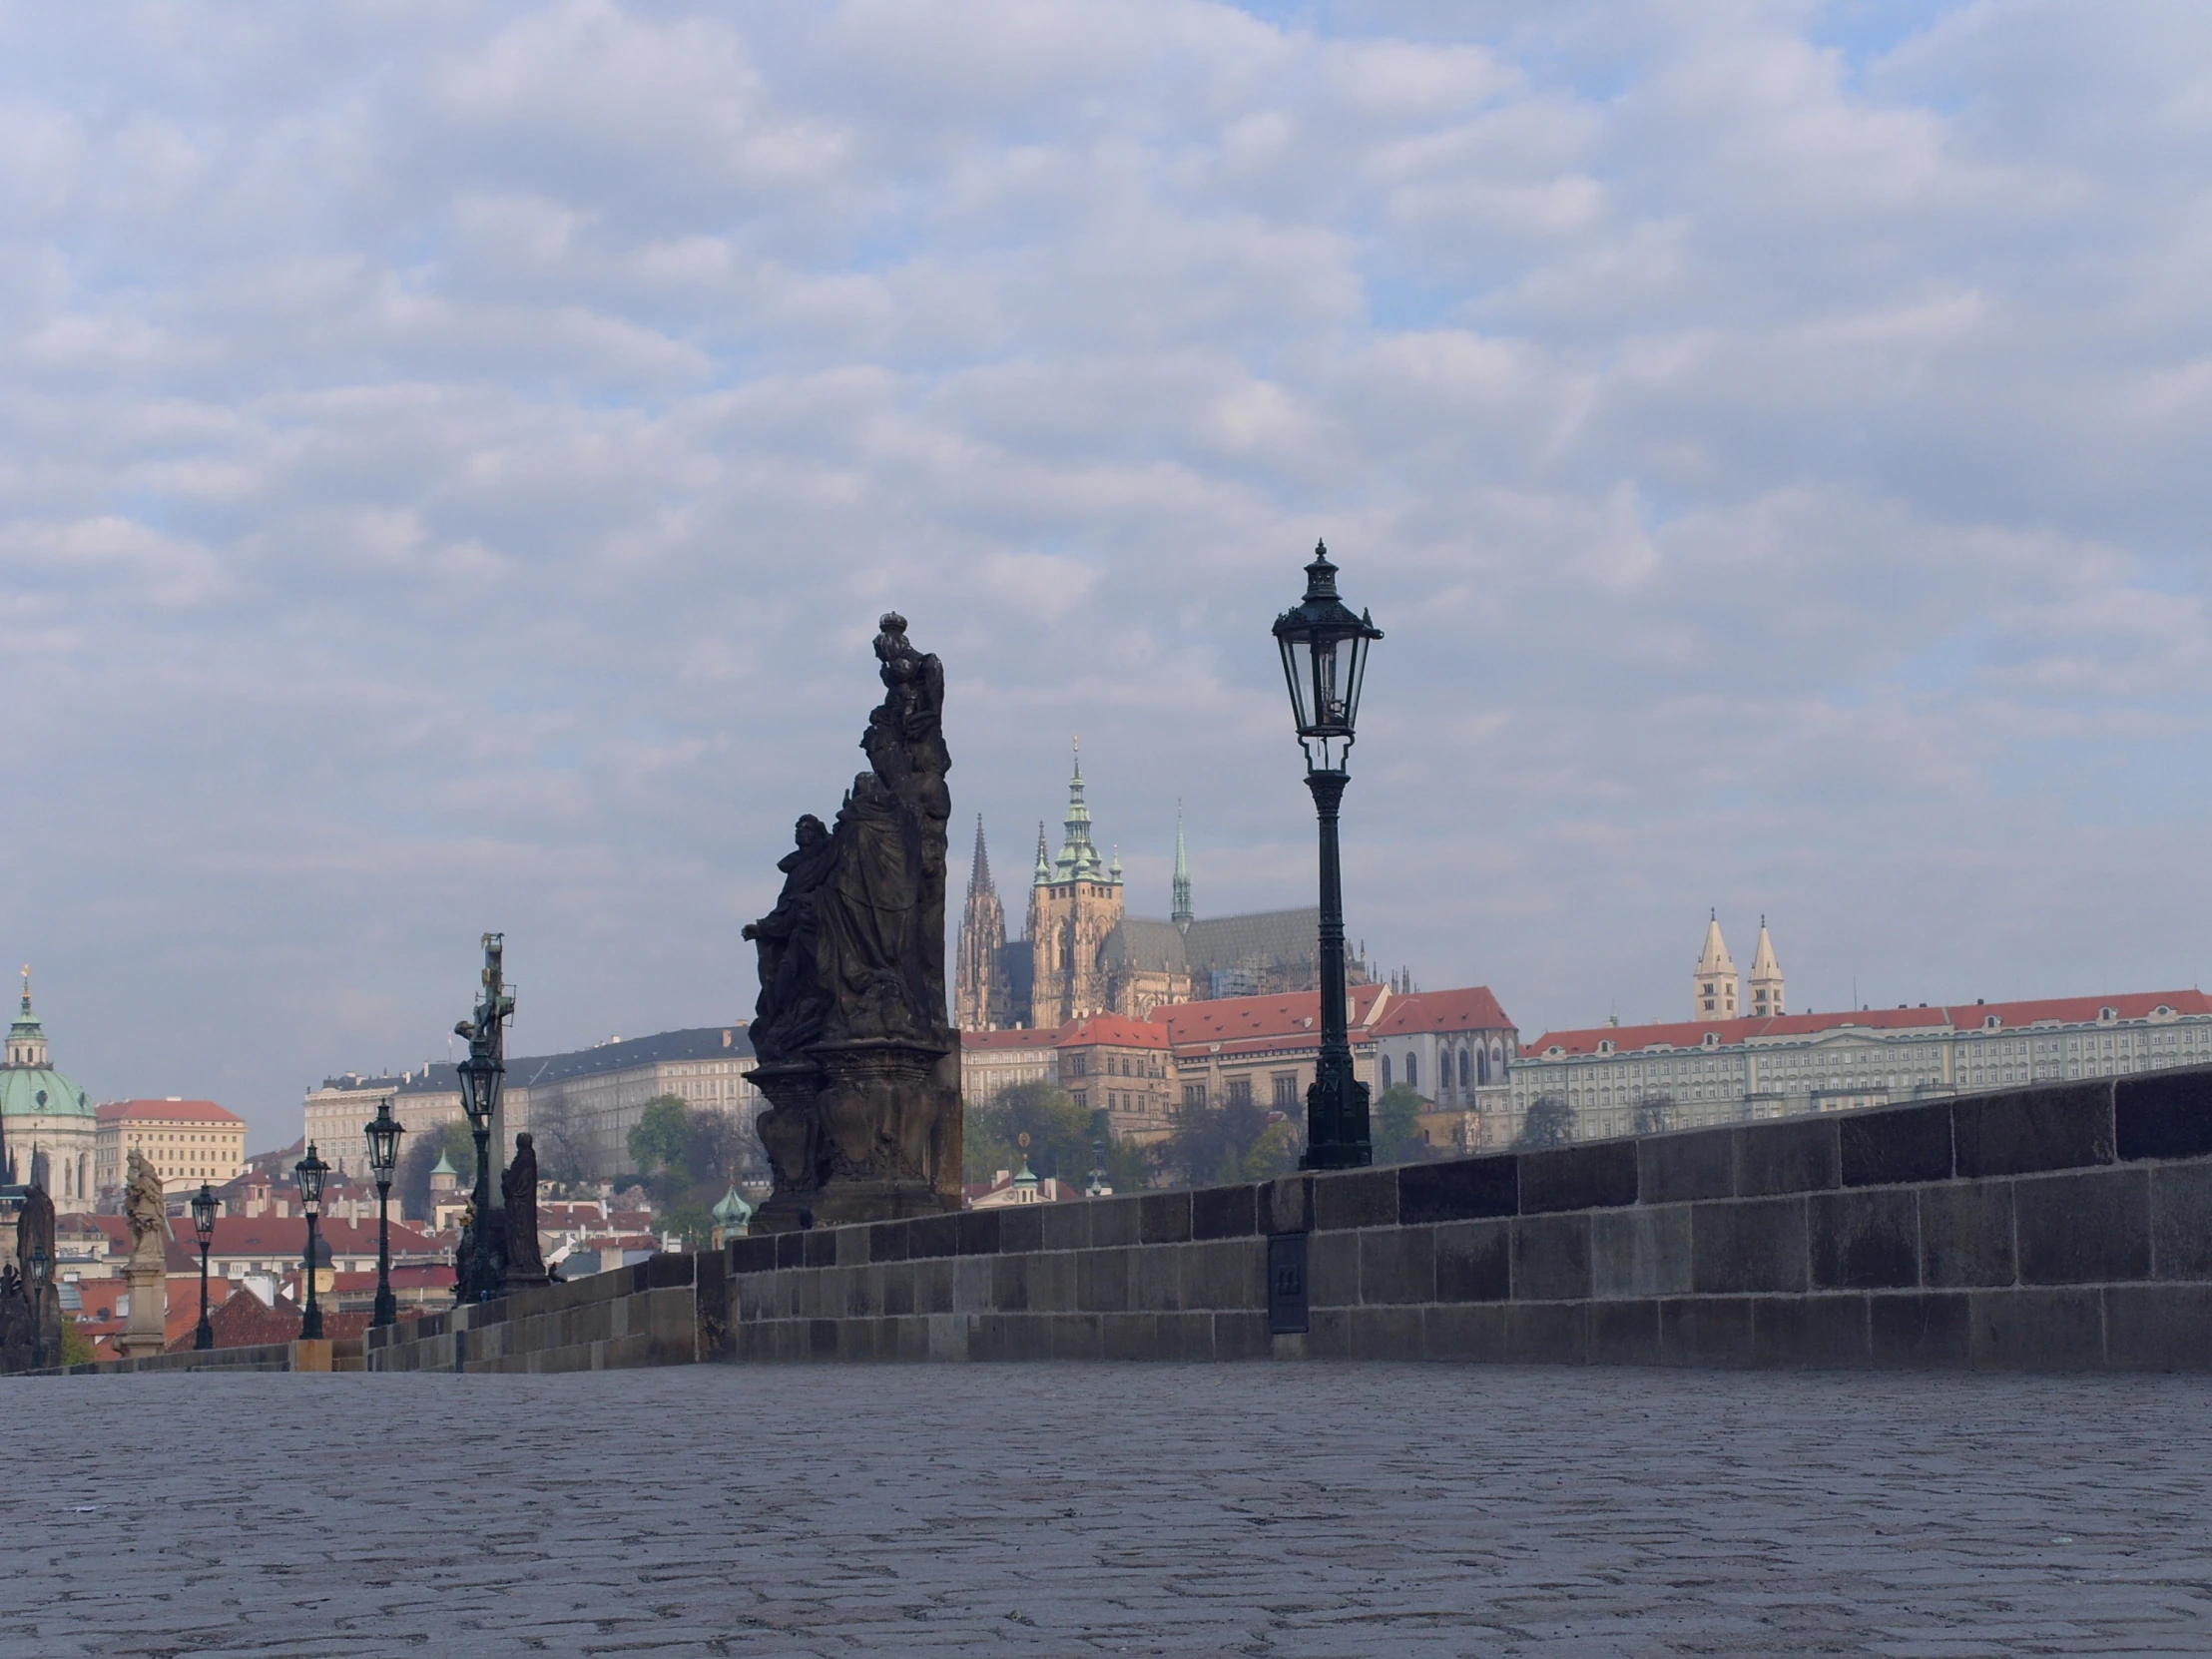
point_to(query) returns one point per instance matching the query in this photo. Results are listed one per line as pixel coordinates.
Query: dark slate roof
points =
(1141, 943)
(1264, 936)
(705, 1042)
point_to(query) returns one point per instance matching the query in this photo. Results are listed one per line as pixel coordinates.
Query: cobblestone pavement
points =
(1261, 1509)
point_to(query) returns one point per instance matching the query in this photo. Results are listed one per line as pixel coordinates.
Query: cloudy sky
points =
(452, 457)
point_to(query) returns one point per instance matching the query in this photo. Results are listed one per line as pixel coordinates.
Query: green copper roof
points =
(40, 1091)
(36, 1089)
(445, 1166)
(733, 1210)
(1079, 859)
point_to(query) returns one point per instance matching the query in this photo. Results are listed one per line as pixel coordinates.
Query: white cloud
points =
(453, 459)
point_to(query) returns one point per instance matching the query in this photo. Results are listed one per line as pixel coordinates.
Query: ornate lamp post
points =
(38, 1270)
(480, 1075)
(310, 1172)
(1324, 657)
(203, 1207)
(382, 1133)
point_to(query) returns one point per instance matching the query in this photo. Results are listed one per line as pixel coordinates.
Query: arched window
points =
(1462, 1068)
(1385, 1071)
(1412, 1071)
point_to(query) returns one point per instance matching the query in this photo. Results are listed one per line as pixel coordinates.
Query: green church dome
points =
(29, 1087)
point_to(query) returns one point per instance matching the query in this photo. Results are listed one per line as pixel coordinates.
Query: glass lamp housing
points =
(480, 1089)
(310, 1172)
(1325, 660)
(203, 1207)
(383, 1134)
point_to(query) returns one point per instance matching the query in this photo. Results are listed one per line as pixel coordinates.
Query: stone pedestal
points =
(861, 1131)
(146, 1332)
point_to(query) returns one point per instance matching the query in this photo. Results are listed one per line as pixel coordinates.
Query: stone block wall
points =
(2061, 1227)
(2064, 1227)
(664, 1311)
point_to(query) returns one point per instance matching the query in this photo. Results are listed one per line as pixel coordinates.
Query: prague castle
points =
(1081, 954)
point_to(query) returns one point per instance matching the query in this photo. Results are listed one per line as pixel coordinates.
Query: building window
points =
(1082, 1100)
(1462, 1068)
(1412, 1071)
(1385, 1071)
(1240, 1091)
(1194, 1097)
(1286, 1092)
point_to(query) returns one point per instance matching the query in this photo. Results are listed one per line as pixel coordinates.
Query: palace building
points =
(1714, 1068)
(1081, 953)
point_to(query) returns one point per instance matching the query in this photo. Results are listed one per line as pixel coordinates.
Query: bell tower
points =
(1074, 903)
(1715, 989)
(1765, 983)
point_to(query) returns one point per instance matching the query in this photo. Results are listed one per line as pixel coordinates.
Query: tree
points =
(661, 1138)
(688, 1156)
(1655, 1114)
(1396, 1131)
(1060, 1134)
(1226, 1144)
(565, 1153)
(76, 1345)
(1551, 1122)
(452, 1140)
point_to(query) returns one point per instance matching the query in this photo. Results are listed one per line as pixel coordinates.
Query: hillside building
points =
(1081, 953)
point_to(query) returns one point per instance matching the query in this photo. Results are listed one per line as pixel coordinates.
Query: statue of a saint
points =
(147, 1208)
(519, 1185)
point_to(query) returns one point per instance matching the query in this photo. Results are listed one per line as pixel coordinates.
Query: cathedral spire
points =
(979, 872)
(1767, 998)
(1044, 858)
(1181, 913)
(1078, 860)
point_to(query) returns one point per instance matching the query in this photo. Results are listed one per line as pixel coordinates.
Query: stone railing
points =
(2061, 1227)
(2057, 1227)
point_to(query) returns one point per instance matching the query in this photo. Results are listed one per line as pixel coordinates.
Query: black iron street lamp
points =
(382, 1133)
(39, 1269)
(203, 1207)
(310, 1172)
(1324, 656)
(480, 1075)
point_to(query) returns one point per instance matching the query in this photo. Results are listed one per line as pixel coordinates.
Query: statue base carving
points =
(861, 1131)
(147, 1331)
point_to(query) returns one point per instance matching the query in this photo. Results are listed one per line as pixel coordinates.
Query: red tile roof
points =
(1471, 1008)
(166, 1111)
(1026, 1039)
(1110, 1028)
(2071, 1010)
(1231, 1019)
(287, 1237)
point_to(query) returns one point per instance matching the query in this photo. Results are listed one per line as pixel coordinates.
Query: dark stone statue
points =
(17, 1327)
(31, 1308)
(857, 1059)
(519, 1185)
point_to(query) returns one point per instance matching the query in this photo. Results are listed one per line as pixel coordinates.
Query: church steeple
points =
(1044, 858)
(1715, 990)
(1078, 860)
(1181, 913)
(979, 869)
(1767, 999)
(980, 994)
(26, 1037)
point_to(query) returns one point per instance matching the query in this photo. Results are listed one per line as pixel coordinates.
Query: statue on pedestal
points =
(519, 1186)
(857, 1059)
(147, 1208)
